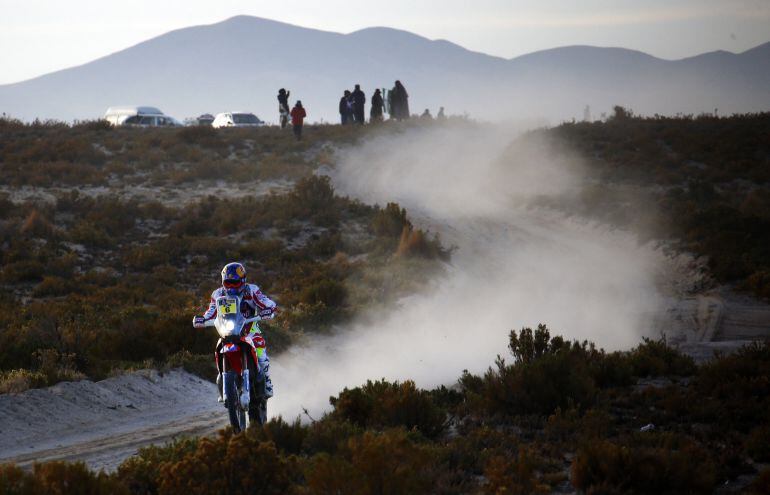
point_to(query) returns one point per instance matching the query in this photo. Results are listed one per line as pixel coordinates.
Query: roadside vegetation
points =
(700, 183)
(93, 282)
(560, 416)
(96, 282)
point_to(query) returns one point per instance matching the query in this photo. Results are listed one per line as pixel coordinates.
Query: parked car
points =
(139, 116)
(205, 119)
(236, 119)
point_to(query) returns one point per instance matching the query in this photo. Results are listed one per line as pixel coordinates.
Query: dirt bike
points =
(242, 381)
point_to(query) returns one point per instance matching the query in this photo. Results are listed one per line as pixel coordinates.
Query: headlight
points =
(229, 325)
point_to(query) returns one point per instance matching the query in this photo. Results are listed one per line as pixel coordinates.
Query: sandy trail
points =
(104, 422)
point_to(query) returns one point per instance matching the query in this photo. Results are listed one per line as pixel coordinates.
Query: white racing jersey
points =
(254, 303)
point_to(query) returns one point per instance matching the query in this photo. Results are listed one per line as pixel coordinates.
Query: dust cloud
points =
(516, 264)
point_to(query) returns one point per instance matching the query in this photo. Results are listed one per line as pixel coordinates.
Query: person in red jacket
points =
(298, 115)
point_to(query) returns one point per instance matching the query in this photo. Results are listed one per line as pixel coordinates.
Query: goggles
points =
(233, 284)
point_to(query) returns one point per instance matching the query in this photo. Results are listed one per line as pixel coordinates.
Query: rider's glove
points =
(199, 322)
(266, 314)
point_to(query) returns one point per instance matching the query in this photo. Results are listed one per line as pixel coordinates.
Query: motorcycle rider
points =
(253, 302)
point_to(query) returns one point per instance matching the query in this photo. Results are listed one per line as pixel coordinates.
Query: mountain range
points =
(239, 64)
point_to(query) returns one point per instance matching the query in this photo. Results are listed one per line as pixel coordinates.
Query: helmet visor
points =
(233, 284)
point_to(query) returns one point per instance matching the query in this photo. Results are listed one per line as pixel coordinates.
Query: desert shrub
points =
(205, 136)
(230, 464)
(56, 366)
(328, 292)
(391, 221)
(90, 235)
(200, 365)
(146, 258)
(514, 475)
(656, 358)
(23, 271)
(60, 478)
(601, 467)
(549, 373)
(93, 125)
(527, 346)
(141, 472)
(15, 381)
(54, 286)
(37, 225)
(415, 242)
(314, 197)
(287, 437)
(332, 474)
(382, 463)
(328, 436)
(758, 444)
(383, 404)
(740, 384)
(15, 481)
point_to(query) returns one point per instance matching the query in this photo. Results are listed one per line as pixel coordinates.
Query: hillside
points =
(390, 340)
(240, 63)
(113, 239)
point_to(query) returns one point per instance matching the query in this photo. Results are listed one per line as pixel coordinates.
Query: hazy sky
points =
(40, 36)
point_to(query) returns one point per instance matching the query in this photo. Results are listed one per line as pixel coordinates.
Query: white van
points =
(236, 119)
(139, 116)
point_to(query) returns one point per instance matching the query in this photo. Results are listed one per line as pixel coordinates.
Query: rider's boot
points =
(264, 364)
(219, 388)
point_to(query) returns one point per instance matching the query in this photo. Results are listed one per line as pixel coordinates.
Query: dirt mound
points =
(104, 422)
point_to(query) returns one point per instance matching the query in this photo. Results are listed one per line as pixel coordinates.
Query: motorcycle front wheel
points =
(234, 410)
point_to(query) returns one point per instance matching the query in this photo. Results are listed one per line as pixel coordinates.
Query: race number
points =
(228, 306)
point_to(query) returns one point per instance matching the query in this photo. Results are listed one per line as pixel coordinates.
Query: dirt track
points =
(104, 422)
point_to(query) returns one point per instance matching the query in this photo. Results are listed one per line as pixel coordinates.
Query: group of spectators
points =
(352, 107)
(395, 102)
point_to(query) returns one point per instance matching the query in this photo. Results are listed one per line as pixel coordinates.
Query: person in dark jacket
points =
(298, 115)
(359, 100)
(375, 115)
(399, 102)
(283, 107)
(346, 109)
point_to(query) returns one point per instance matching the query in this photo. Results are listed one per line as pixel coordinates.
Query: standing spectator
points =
(399, 102)
(283, 107)
(346, 113)
(440, 115)
(298, 115)
(426, 115)
(375, 115)
(359, 100)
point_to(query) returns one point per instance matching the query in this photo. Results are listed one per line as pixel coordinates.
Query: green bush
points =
(382, 404)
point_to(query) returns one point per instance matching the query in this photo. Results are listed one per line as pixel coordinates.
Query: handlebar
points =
(212, 322)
